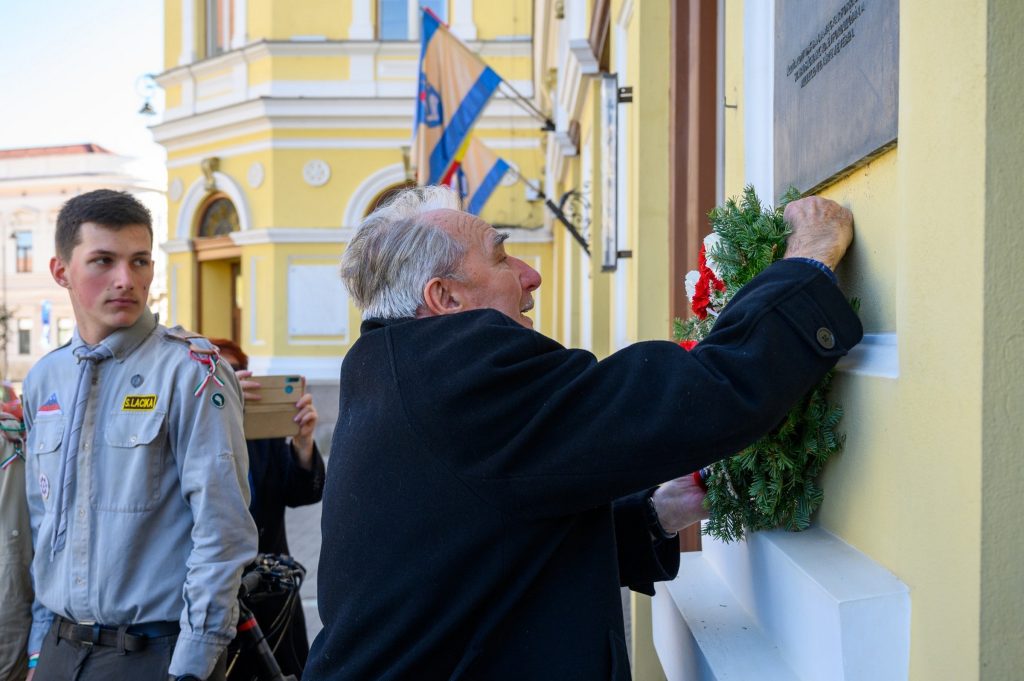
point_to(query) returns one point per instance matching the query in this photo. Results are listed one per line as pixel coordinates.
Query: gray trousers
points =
(64, 660)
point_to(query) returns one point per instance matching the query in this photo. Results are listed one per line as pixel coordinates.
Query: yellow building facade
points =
(913, 566)
(298, 119)
(284, 126)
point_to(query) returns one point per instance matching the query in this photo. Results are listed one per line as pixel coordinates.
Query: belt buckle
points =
(95, 632)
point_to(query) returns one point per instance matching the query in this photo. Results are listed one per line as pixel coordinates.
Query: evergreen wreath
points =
(770, 484)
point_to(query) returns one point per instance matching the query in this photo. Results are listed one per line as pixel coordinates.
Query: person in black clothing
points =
(469, 529)
(282, 473)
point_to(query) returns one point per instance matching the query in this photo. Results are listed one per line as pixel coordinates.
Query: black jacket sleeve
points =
(542, 431)
(302, 487)
(643, 560)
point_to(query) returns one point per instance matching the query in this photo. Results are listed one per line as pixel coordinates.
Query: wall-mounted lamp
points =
(146, 87)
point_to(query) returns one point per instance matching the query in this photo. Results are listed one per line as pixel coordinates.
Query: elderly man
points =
(468, 527)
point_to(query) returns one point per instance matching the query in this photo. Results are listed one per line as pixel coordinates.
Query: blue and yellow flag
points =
(477, 173)
(454, 87)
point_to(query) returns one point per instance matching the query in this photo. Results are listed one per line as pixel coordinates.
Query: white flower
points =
(690, 281)
(711, 241)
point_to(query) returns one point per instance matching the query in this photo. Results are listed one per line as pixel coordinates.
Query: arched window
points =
(218, 217)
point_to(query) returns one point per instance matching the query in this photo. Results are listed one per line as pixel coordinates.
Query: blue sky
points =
(68, 71)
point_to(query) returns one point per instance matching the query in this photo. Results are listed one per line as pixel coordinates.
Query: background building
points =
(34, 184)
(284, 127)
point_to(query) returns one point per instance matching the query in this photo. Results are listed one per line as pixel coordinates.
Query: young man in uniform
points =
(136, 471)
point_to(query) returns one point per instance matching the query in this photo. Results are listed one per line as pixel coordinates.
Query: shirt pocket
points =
(44, 443)
(126, 472)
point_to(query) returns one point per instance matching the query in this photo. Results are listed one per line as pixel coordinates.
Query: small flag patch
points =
(51, 407)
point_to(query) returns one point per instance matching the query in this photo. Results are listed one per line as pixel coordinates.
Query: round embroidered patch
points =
(218, 400)
(44, 486)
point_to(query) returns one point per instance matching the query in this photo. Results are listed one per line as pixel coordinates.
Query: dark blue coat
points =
(468, 529)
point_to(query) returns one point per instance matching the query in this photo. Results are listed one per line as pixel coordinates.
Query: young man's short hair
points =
(104, 207)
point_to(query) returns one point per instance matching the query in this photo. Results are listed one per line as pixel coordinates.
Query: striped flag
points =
(477, 173)
(454, 87)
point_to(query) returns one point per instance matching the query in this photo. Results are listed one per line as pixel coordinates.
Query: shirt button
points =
(826, 339)
(79, 581)
(132, 440)
(81, 513)
(15, 533)
(86, 446)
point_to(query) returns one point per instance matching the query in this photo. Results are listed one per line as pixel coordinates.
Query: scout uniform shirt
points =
(15, 557)
(159, 499)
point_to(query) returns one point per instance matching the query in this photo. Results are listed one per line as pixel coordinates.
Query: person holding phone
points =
(283, 472)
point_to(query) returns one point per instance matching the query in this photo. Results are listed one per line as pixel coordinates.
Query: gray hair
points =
(394, 253)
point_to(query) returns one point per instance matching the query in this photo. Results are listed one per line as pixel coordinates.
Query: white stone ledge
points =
(783, 606)
(876, 355)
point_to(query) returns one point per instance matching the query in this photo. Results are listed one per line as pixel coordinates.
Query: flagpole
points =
(528, 105)
(555, 209)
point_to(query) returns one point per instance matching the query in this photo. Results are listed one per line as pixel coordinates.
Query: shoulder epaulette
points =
(200, 350)
(195, 342)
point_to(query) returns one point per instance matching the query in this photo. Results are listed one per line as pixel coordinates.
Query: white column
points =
(240, 35)
(759, 89)
(188, 32)
(362, 27)
(462, 19)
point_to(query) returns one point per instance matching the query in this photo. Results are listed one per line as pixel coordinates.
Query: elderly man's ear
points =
(439, 298)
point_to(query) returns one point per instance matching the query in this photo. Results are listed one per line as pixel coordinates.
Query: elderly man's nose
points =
(529, 278)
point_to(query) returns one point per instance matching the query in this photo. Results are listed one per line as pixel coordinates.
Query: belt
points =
(135, 636)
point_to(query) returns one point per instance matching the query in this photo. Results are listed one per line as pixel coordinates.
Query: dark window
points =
(24, 341)
(23, 251)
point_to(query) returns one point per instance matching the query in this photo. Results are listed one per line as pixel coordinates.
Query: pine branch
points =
(771, 483)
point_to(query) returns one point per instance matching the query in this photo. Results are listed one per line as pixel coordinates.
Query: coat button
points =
(826, 339)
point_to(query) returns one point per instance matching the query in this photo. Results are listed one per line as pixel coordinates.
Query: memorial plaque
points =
(836, 88)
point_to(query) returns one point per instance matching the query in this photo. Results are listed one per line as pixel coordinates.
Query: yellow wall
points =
(172, 33)
(298, 68)
(494, 19)
(1002, 484)
(275, 20)
(648, 169)
(928, 456)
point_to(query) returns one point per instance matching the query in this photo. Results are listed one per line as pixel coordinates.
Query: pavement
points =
(303, 527)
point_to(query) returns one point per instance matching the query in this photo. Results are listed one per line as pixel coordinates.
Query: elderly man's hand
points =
(822, 230)
(679, 503)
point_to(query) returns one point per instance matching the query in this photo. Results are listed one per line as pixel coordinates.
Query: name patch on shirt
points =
(139, 403)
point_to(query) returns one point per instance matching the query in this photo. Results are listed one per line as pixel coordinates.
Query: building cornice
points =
(292, 235)
(266, 114)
